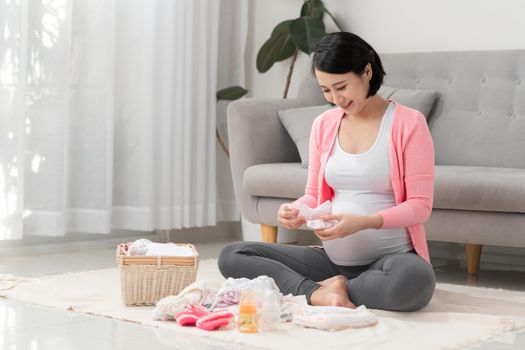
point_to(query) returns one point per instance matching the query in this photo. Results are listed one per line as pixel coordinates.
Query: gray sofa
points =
(477, 124)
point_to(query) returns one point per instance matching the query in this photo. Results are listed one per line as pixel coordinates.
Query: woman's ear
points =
(368, 71)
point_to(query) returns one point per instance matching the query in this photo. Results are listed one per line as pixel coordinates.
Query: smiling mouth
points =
(347, 105)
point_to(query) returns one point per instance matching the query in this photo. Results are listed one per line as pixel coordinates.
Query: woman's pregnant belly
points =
(366, 246)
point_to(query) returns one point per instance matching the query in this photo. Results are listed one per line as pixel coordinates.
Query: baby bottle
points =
(247, 312)
(271, 312)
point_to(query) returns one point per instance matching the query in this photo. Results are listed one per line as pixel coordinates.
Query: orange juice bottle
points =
(247, 322)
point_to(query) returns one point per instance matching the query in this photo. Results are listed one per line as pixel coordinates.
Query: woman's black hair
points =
(344, 52)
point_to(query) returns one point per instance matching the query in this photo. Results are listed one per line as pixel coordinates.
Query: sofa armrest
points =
(257, 136)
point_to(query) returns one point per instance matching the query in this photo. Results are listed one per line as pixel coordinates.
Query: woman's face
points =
(348, 90)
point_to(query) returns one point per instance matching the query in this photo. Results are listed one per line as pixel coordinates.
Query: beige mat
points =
(457, 316)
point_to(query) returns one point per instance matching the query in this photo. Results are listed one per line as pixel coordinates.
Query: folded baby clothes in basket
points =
(146, 247)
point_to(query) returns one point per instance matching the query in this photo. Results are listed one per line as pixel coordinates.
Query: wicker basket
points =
(147, 279)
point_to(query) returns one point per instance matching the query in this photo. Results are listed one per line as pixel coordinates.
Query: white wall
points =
(391, 26)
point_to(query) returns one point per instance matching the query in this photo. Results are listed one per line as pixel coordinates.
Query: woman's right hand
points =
(289, 217)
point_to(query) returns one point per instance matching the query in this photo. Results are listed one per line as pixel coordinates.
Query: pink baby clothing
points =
(196, 315)
(215, 320)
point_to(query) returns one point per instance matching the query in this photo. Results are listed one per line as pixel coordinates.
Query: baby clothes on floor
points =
(190, 307)
(230, 292)
(196, 315)
(215, 320)
(228, 296)
(330, 318)
(168, 307)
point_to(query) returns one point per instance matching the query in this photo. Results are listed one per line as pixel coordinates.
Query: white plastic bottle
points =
(271, 312)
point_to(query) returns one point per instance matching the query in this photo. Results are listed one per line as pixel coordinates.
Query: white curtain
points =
(107, 115)
(232, 47)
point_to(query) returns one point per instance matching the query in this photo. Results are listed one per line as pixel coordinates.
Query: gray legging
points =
(397, 282)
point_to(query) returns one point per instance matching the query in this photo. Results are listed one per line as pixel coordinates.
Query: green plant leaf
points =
(278, 48)
(231, 93)
(313, 8)
(283, 30)
(306, 32)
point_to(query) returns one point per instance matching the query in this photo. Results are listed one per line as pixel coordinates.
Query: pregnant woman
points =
(374, 160)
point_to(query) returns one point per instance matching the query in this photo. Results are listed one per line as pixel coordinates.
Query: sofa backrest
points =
(479, 116)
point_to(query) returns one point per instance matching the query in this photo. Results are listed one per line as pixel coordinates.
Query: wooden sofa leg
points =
(269, 233)
(473, 257)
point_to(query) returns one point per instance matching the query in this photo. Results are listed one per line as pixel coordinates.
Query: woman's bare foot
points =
(332, 294)
(329, 281)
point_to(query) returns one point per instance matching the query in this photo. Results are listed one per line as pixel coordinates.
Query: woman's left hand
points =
(348, 224)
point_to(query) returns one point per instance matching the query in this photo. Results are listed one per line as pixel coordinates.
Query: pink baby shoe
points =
(215, 320)
(191, 315)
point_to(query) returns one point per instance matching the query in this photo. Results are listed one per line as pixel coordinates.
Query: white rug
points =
(457, 316)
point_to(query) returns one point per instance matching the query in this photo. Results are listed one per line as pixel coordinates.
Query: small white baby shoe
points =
(320, 224)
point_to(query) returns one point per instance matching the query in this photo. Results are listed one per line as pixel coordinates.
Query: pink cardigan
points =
(411, 156)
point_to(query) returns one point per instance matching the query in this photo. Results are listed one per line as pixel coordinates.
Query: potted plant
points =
(294, 35)
(286, 40)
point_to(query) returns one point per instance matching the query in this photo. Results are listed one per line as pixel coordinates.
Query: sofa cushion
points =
(298, 121)
(279, 180)
(479, 188)
(421, 100)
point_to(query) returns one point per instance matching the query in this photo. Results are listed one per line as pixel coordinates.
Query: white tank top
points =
(362, 186)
